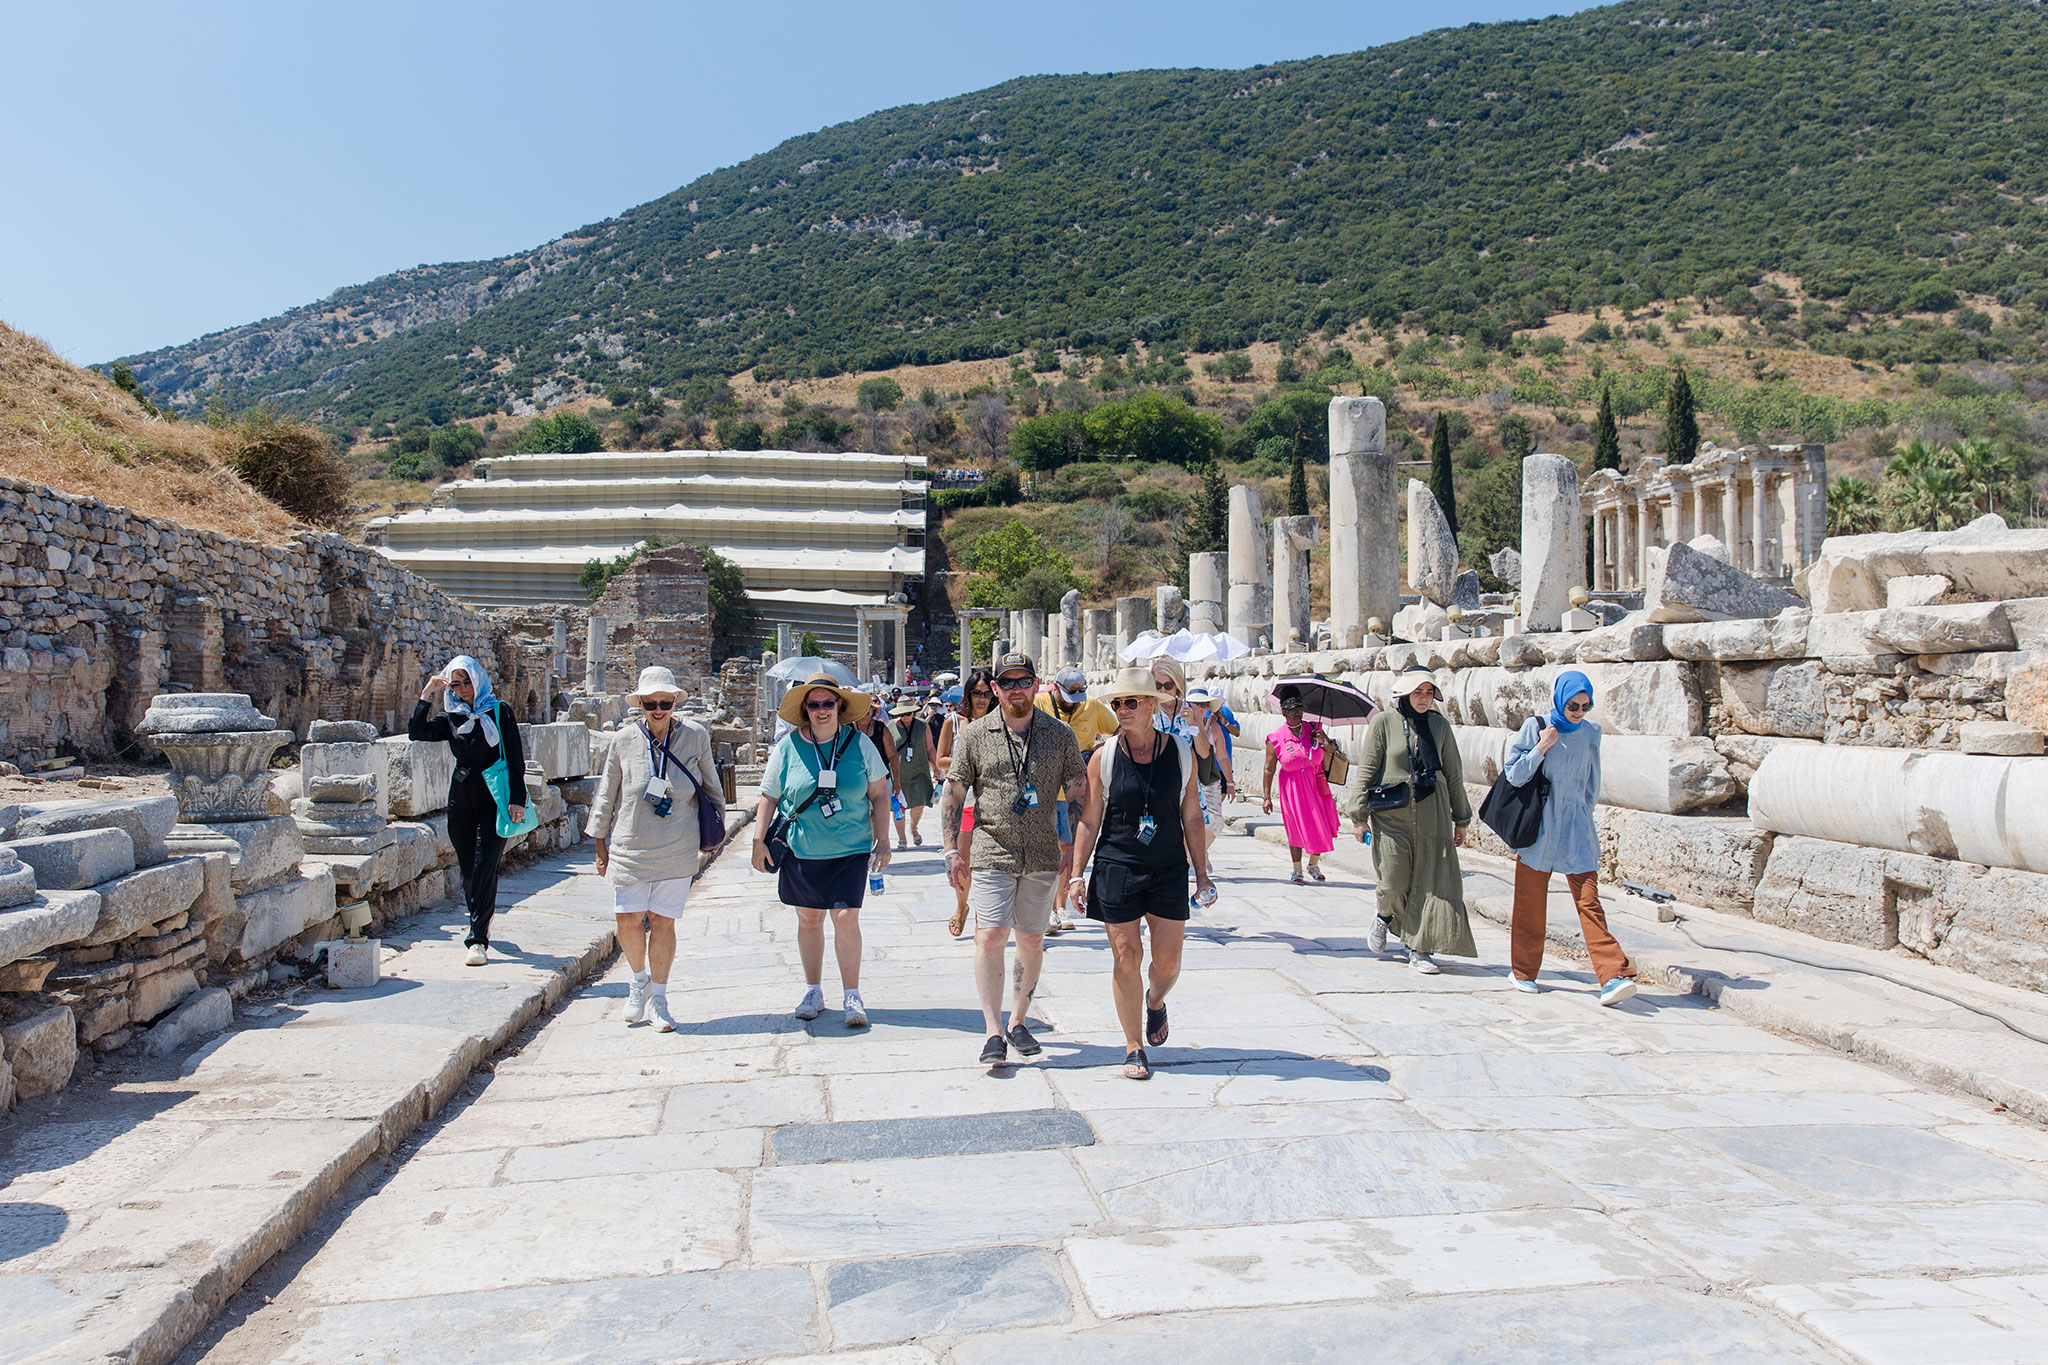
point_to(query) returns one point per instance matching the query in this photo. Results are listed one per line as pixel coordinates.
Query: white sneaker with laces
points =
(1376, 935)
(1423, 962)
(636, 1001)
(1619, 989)
(477, 957)
(813, 1003)
(856, 1012)
(1525, 987)
(662, 1016)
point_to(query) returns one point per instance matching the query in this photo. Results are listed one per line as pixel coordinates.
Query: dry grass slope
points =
(75, 431)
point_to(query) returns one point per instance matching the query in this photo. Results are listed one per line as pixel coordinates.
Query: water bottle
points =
(874, 883)
(1207, 898)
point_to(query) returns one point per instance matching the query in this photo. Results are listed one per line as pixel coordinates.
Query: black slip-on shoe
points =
(995, 1049)
(1026, 1045)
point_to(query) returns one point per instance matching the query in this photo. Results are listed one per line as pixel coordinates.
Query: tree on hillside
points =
(1517, 437)
(564, 433)
(1014, 568)
(1440, 483)
(1155, 428)
(1300, 417)
(735, 624)
(1680, 438)
(1043, 444)
(741, 433)
(457, 445)
(988, 425)
(1606, 435)
(874, 400)
(1297, 486)
(1207, 525)
(1493, 518)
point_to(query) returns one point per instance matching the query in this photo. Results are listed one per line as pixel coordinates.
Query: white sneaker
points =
(662, 1016)
(1376, 935)
(813, 1003)
(636, 1001)
(1525, 987)
(1423, 962)
(1620, 989)
(856, 1012)
(478, 956)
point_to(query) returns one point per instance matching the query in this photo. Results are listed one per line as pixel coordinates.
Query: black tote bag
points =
(1516, 813)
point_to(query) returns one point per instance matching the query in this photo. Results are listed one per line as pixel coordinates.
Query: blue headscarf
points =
(481, 709)
(1568, 685)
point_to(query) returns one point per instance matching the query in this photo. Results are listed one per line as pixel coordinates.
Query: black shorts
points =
(1120, 894)
(823, 883)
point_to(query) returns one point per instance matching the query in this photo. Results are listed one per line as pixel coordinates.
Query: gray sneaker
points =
(1376, 935)
(636, 1001)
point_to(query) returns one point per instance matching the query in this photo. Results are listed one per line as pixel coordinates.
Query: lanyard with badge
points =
(1027, 796)
(829, 804)
(1148, 828)
(657, 794)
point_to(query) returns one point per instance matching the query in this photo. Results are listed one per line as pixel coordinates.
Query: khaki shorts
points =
(1011, 900)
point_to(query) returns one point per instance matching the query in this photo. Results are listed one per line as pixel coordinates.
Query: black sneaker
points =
(995, 1049)
(1027, 1046)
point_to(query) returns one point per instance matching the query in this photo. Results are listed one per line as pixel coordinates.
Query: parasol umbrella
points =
(1146, 647)
(810, 666)
(1332, 703)
(952, 696)
(1204, 649)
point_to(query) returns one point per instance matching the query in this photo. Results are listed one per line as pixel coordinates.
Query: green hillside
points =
(1881, 159)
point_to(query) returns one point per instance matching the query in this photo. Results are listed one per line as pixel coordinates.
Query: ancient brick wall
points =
(101, 608)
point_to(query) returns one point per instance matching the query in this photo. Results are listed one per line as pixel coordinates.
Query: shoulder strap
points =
(1187, 761)
(1109, 758)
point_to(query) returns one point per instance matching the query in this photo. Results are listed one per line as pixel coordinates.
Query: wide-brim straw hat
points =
(905, 708)
(854, 707)
(1412, 677)
(1136, 681)
(655, 679)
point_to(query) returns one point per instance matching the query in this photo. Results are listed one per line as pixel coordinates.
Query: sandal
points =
(1298, 879)
(1155, 1026)
(1136, 1068)
(1315, 873)
(917, 839)
(957, 925)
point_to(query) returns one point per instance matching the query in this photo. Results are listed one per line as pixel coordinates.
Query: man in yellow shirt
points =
(1067, 701)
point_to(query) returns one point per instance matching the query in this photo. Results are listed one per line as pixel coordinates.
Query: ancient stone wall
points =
(100, 609)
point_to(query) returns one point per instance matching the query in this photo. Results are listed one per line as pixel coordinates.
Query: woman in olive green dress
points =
(1415, 844)
(914, 756)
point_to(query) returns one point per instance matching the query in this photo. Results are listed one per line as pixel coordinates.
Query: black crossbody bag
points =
(777, 837)
(1394, 795)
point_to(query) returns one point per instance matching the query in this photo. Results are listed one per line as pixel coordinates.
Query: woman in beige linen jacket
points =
(646, 849)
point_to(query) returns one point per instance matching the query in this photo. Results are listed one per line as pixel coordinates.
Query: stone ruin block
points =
(415, 776)
(562, 749)
(147, 820)
(77, 861)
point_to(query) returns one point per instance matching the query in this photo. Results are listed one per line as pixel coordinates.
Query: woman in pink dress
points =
(1307, 810)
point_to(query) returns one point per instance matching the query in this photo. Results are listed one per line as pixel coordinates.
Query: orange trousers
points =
(1525, 948)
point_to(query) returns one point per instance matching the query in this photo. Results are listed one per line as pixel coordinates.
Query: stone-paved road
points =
(1338, 1158)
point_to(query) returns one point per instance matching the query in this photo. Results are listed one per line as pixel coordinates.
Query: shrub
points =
(565, 433)
(741, 433)
(292, 464)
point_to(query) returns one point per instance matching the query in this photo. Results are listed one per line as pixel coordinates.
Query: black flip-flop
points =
(1155, 1026)
(1136, 1068)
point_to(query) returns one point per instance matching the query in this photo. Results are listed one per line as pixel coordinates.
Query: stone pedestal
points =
(1250, 604)
(353, 966)
(1553, 541)
(1031, 638)
(1293, 538)
(1133, 618)
(1365, 557)
(219, 749)
(1207, 594)
(1096, 622)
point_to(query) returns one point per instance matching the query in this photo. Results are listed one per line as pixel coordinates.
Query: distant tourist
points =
(1410, 785)
(1017, 762)
(1212, 772)
(1141, 824)
(1294, 756)
(1066, 701)
(913, 740)
(1565, 746)
(644, 819)
(1179, 719)
(828, 779)
(486, 794)
(977, 699)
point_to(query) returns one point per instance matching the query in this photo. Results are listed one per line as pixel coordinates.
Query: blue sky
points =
(177, 169)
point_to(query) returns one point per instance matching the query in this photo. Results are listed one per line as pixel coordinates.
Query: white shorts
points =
(666, 898)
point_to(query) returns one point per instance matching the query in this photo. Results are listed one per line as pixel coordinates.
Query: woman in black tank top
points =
(1143, 826)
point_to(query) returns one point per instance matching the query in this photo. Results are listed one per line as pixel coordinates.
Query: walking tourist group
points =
(1051, 803)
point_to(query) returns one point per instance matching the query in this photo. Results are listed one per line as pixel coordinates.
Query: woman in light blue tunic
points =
(1565, 747)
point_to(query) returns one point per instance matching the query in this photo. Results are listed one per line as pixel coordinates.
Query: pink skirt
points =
(1307, 809)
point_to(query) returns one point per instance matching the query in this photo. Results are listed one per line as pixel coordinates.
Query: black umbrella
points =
(1332, 703)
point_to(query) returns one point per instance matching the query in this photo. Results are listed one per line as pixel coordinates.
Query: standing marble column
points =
(1096, 624)
(1133, 618)
(1731, 517)
(1552, 541)
(1365, 554)
(1206, 577)
(1251, 584)
(1761, 495)
(561, 658)
(595, 645)
(1813, 503)
(1031, 637)
(1067, 652)
(1293, 538)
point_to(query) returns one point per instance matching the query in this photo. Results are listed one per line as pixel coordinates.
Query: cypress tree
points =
(1208, 524)
(1680, 438)
(1606, 436)
(1297, 485)
(1440, 472)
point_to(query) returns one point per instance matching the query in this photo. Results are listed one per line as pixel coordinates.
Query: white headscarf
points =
(482, 709)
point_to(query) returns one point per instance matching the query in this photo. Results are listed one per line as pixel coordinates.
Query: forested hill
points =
(1886, 154)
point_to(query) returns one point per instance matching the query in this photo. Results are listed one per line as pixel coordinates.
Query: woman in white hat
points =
(1142, 825)
(644, 819)
(913, 739)
(829, 780)
(1410, 784)
(482, 732)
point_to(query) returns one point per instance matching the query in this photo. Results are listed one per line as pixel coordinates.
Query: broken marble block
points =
(1685, 585)
(147, 820)
(17, 879)
(340, 732)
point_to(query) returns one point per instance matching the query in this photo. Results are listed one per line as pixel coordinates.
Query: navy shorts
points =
(1066, 829)
(823, 883)
(1119, 893)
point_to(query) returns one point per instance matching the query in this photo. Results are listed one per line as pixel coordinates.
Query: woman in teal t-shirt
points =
(831, 781)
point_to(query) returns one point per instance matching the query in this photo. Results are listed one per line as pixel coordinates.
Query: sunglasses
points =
(1016, 684)
(1126, 703)
(829, 704)
(1577, 708)
(983, 694)
(657, 706)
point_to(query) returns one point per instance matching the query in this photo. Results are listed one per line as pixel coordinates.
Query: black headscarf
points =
(1427, 762)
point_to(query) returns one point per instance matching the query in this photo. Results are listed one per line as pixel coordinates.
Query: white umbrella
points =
(1177, 645)
(1142, 649)
(1204, 649)
(809, 666)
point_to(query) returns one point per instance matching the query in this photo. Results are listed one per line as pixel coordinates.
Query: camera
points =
(1022, 805)
(662, 804)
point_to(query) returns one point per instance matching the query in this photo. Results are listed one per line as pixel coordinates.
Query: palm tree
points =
(1984, 471)
(1853, 507)
(1933, 498)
